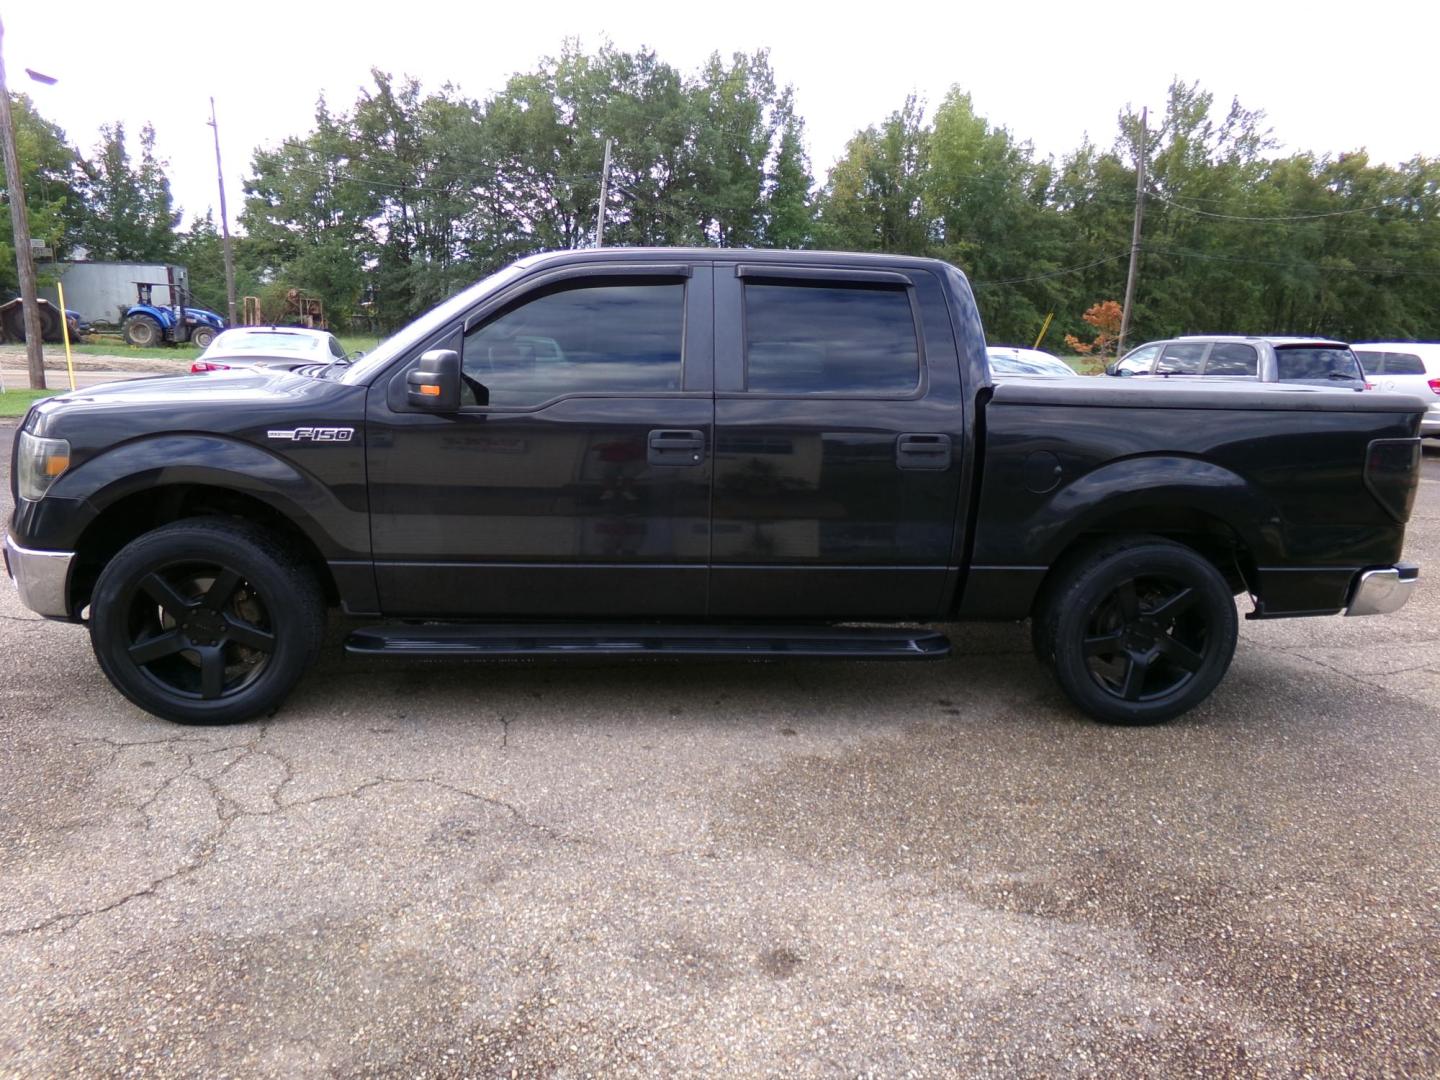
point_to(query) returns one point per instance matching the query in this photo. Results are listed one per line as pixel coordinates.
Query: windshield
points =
(430, 323)
(264, 342)
(1299, 363)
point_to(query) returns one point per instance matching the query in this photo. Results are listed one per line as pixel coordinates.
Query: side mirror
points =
(434, 385)
(1112, 368)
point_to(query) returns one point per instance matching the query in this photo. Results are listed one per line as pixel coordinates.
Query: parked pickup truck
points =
(680, 453)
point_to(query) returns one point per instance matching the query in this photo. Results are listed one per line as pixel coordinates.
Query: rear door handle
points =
(666, 447)
(923, 451)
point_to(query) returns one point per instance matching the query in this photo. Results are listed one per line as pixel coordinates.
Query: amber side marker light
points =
(430, 389)
(56, 464)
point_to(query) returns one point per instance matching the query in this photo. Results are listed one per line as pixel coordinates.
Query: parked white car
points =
(286, 346)
(1406, 367)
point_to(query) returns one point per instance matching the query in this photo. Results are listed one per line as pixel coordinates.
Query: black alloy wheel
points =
(1138, 631)
(199, 630)
(207, 621)
(1147, 639)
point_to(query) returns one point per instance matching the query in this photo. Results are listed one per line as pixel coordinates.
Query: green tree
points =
(129, 212)
(50, 172)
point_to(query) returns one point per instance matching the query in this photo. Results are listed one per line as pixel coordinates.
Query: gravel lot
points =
(844, 869)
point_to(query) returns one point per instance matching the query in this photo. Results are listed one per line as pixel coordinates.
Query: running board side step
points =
(522, 641)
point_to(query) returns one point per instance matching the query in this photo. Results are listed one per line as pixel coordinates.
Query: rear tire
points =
(206, 621)
(1138, 632)
(141, 331)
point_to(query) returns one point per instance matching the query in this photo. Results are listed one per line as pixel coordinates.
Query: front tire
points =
(1140, 631)
(202, 337)
(206, 621)
(141, 331)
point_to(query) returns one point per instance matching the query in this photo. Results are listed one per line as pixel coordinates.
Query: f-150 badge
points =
(313, 434)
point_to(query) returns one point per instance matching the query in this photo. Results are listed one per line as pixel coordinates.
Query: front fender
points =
(333, 515)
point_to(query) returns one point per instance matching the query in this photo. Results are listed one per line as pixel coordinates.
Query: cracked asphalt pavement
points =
(645, 869)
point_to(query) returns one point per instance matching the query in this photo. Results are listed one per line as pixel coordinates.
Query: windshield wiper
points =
(343, 361)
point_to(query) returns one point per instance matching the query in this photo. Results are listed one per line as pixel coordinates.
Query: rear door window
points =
(1182, 358)
(1401, 363)
(1307, 363)
(1371, 362)
(826, 339)
(1232, 358)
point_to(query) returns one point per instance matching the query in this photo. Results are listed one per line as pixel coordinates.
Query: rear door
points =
(837, 443)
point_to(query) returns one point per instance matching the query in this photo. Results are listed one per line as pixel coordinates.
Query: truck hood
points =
(226, 402)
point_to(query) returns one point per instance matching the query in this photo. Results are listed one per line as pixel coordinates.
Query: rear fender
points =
(161, 315)
(1135, 488)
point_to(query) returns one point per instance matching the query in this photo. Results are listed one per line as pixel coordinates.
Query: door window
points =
(1402, 363)
(611, 338)
(1231, 358)
(1139, 361)
(1181, 358)
(814, 339)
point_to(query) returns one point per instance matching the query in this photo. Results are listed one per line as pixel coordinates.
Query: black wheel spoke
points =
(1179, 653)
(1175, 606)
(158, 647)
(1128, 600)
(221, 589)
(252, 637)
(212, 671)
(1103, 644)
(164, 594)
(1136, 668)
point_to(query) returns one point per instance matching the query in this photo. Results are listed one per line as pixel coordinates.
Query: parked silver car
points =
(287, 346)
(1317, 361)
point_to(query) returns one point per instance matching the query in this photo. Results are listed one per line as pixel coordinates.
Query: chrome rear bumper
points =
(1379, 592)
(42, 578)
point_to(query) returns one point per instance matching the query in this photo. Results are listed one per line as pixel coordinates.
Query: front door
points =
(575, 479)
(838, 438)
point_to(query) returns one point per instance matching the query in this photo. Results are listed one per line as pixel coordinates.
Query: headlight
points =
(38, 462)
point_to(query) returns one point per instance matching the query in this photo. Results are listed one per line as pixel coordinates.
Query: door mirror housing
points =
(434, 385)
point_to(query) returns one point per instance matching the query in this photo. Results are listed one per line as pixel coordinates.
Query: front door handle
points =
(666, 447)
(923, 451)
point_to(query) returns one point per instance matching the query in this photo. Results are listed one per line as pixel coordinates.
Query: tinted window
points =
(1181, 358)
(1297, 363)
(828, 339)
(1229, 358)
(614, 338)
(1403, 363)
(1371, 362)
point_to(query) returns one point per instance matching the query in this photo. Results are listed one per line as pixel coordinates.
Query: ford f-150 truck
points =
(680, 453)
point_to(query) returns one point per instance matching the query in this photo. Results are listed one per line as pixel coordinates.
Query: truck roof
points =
(710, 254)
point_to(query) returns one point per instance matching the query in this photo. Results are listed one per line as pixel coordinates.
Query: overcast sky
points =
(1332, 77)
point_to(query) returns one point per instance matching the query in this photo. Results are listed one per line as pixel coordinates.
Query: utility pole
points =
(224, 222)
(604, 194)
(1134, 239)
(24, 260)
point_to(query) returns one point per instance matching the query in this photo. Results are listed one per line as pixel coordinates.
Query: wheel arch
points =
(141, 485)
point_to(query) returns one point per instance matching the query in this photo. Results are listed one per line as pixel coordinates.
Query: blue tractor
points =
(148, 324)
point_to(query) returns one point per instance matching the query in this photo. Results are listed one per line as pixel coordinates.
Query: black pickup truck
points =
(671, 453)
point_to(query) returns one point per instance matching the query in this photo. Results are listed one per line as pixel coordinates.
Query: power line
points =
(1269, 217)
(1393, 272)
(1052, 273)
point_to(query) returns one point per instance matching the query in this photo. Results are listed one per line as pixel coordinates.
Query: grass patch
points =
(15, 402)
(186, 353)
(116, 347)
